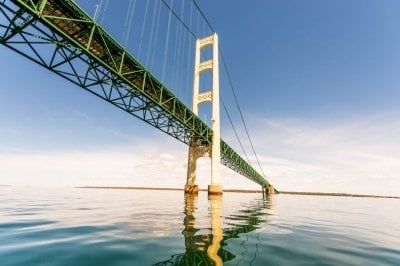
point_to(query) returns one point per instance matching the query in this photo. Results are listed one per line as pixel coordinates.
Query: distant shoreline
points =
(337, 194)
(255, 191)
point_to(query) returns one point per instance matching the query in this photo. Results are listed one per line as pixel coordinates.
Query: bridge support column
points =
(268, 190)
(206, 147)
(191, 187)
(216, 185)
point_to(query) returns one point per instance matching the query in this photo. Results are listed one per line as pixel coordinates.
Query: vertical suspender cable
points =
(166, 43)
(128, 22)
(189, 53)
(175, 55)
(181, 52)
(103, 11)
(150, 46)
(143, 26)
(156, 35)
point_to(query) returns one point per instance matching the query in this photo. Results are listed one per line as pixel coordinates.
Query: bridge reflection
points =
(211, 248)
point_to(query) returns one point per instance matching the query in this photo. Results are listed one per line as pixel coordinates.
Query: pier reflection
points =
(210, 249)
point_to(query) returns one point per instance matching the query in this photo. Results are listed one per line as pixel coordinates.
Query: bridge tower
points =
(197, 148)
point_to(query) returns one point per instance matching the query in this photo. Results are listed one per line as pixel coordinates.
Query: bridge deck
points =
(84, 53)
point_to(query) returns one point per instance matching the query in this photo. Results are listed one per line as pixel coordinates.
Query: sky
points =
(317, 82)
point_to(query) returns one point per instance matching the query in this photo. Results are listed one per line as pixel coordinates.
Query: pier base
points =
(268, 190)
(214, 189)
(191, 189)
(271, 190)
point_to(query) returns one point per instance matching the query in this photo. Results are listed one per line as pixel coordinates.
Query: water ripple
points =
(123, 227)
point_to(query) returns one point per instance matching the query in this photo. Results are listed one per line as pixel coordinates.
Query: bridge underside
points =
(61, 37)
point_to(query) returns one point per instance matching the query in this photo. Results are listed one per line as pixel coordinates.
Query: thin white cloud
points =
(156, 163)
(359, 155)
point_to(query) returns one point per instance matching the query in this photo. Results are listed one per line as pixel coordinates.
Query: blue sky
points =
(317, 81)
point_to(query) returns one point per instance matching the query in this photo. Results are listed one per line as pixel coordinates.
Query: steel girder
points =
(60, 36)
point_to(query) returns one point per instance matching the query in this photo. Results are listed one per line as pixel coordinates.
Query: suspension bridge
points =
(62, 37)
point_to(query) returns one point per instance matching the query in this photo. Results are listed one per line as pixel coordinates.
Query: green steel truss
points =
(60, 36)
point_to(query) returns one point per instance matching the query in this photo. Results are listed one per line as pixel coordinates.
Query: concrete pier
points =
(215, 189)
(191, 189)
(268, 190)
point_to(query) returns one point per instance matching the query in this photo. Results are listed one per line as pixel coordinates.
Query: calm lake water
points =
(53, 226)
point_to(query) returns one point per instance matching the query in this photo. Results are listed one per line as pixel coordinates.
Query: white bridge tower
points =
(196, 149)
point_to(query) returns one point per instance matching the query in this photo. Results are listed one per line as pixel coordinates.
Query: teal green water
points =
(54, 226)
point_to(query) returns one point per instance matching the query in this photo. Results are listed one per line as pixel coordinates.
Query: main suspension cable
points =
(234, 130)
(240, 112)
(179, 18)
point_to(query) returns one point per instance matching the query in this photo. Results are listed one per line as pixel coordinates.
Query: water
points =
(56, 226)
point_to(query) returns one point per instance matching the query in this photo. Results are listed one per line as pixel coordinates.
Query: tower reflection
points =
(209, 249)
(215, 203)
